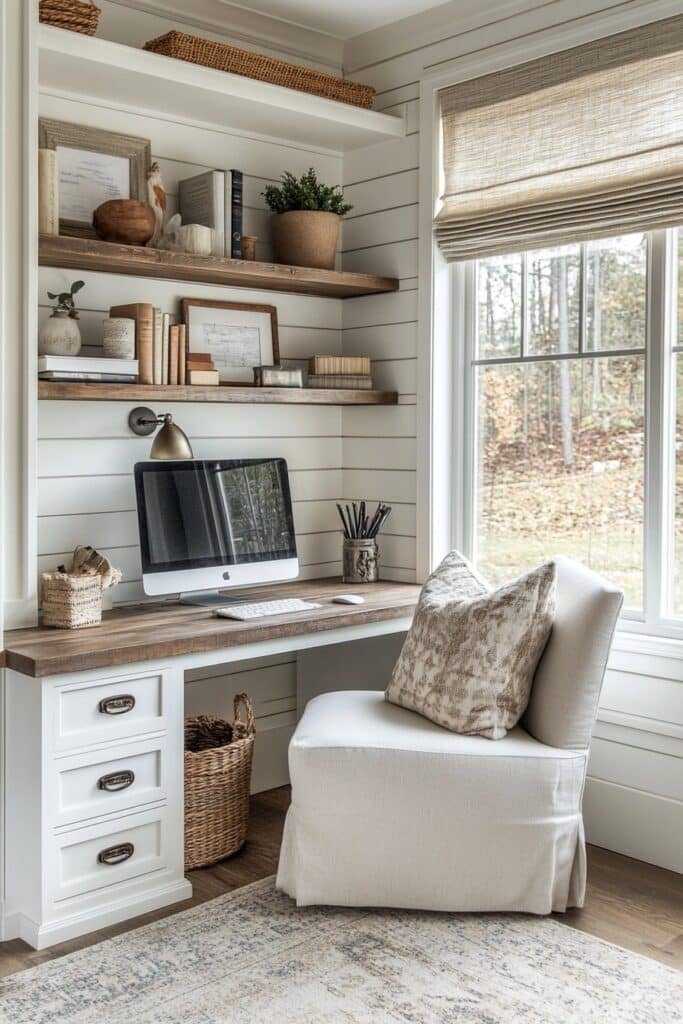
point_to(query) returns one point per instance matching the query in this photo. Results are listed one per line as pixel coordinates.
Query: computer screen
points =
(200, 514)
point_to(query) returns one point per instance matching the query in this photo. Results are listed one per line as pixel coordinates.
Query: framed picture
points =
(237, 335)
(93, 166)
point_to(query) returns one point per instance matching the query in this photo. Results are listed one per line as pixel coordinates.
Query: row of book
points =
(215, 199)
(339, 372)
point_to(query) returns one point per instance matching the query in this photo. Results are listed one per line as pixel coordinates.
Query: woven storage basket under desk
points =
(74, 15)
(217, 781)
(224, 57)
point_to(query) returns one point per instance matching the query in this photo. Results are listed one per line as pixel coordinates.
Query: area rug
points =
(252, 958)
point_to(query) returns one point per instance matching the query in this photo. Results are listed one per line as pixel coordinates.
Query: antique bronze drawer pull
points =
(117, 705)
(116, 854)
(115, 781)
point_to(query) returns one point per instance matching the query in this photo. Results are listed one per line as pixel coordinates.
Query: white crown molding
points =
(247, 27)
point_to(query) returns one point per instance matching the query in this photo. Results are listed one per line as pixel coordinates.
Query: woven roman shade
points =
(583, 143)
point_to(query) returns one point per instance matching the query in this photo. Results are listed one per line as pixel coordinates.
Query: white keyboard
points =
(245, 612)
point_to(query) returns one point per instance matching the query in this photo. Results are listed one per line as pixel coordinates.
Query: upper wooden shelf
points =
(124, 77)
(90, 391)
(139, 261)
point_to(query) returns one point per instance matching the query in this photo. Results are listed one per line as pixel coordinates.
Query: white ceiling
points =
(341, 18)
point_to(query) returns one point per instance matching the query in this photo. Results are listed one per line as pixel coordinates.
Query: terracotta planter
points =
(306, 238)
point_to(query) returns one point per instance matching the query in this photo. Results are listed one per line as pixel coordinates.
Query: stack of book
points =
(201, 369)
(159, 345)
(214, 199)
(339, 372)
(85, 368)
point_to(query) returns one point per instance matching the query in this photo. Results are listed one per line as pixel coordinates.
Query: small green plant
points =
(65, 300)
(306, 193)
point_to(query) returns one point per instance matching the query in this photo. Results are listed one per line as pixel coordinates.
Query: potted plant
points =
(60, 335)
(307, 216)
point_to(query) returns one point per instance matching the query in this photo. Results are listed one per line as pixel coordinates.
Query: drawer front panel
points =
(90, 859)
(108, 709)
(128, 777)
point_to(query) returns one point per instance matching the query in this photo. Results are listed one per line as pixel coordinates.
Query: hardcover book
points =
(334, 380)
(356, 365)
(173, 355)
(87, 364)
(206, 377)
(201, 200)
(182, 354)
(233, 247)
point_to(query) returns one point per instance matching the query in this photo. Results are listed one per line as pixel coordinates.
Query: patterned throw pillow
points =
(470, 655)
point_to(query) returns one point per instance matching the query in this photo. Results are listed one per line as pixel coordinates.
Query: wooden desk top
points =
(152, 632)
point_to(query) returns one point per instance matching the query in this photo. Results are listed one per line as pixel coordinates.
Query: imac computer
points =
(213, 524)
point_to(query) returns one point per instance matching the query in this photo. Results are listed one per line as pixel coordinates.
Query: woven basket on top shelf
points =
(218, 758)
(224, 57)
(75, 15)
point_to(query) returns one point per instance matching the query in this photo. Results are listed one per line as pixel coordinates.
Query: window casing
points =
(610, 493)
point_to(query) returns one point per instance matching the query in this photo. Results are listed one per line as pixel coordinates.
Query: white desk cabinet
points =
(93, 744)
(94, 811)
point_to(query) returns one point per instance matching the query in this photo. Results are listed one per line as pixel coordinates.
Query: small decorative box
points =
(277, 377)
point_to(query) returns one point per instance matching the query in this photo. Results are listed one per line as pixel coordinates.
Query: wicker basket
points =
(217, 776)
(70, 602)
(75, 15)
(224, 57)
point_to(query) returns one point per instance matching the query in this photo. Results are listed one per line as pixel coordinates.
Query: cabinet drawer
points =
(88, 859)
(115, 708)
(89, 785)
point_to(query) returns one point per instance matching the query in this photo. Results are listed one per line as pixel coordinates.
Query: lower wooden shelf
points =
(90, 392)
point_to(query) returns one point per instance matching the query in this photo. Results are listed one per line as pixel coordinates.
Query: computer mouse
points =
(348, 599)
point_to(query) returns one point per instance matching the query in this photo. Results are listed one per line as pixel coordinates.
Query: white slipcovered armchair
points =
(391, 810)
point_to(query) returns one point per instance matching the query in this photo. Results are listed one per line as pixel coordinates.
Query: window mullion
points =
(658, 520)
(583, 293)
(524, 312)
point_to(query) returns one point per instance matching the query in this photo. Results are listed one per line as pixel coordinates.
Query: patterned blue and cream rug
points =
(252, 958)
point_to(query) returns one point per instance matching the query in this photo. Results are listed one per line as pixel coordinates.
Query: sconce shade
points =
(171, 442)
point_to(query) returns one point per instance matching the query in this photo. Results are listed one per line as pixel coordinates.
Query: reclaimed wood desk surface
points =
(165, 629)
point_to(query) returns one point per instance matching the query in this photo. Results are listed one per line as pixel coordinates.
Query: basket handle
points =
(245, 699)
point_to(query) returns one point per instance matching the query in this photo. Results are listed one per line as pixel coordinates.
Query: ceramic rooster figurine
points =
(156, 197)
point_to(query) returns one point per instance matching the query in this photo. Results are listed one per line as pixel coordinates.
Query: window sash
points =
(660, 421)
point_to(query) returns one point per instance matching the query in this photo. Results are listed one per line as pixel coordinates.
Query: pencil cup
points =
(360, 561)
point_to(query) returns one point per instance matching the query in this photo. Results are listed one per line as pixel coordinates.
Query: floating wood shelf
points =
(139, 261)
(91, 391)
(125, 78)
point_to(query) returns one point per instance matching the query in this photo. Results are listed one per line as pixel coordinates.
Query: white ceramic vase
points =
(59, 336)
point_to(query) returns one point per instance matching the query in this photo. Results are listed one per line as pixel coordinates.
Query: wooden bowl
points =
(124, 220)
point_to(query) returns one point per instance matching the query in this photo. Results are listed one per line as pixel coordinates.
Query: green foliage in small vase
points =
(65, 300)
(305, 193)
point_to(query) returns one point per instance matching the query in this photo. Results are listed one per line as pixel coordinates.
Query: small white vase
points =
(59, 336)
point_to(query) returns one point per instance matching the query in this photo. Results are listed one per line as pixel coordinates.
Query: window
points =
(573, 427)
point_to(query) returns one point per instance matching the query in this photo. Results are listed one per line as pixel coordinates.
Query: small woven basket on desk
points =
(224, 57)
(75, 15)
(218, 757)
(70, 602)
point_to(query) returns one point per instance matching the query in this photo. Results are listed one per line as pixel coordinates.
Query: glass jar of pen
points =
(360, 553)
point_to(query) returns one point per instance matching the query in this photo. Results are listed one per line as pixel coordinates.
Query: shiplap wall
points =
(381, 232)
(86, 451)
(634, 794)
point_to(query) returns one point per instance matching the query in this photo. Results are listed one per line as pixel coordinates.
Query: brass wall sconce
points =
(170, 443)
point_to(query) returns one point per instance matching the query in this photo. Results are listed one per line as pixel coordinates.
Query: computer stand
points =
(210, 598)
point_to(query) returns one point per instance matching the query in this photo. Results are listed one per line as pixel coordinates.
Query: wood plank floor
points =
(629, 903)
